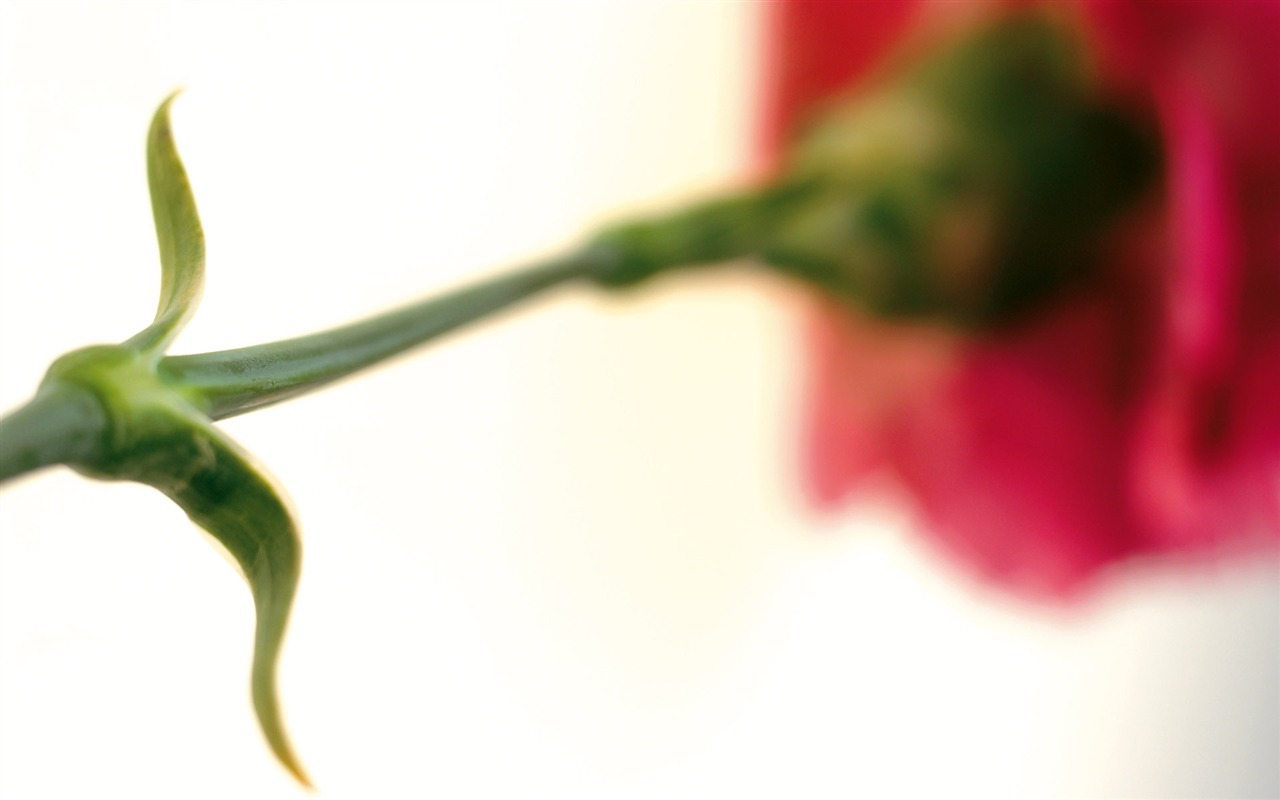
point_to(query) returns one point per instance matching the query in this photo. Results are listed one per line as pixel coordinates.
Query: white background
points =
(563, 555)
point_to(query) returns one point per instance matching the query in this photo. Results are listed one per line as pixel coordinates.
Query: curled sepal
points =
(179, 233)
(240, 506)
(155, 436)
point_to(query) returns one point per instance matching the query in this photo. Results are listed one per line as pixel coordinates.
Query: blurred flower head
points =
(1131, 413)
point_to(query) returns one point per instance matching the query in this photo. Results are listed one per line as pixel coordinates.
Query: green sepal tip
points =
(179, 233)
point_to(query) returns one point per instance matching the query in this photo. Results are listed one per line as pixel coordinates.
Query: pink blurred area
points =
(1136, 419)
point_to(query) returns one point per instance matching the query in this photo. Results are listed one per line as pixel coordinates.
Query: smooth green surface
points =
(235, 381)
(61, 425)
(228, 495)
(179, 233)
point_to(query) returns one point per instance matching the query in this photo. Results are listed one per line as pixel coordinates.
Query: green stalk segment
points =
(231, 382)
(61, 425)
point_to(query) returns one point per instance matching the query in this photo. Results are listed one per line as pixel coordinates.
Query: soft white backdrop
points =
(565, 554)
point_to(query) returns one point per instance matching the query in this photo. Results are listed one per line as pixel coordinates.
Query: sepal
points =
(179, 233)
(156, 436)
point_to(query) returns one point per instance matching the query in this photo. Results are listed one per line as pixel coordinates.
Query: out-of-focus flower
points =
(1136, 414)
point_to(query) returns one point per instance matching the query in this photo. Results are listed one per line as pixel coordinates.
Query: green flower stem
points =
(61, 425)
(231, 382)
(67, 424)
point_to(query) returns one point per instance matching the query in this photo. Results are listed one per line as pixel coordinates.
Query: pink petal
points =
(1184, 425)
(865, 376)
(1018, 464)
(818, 48)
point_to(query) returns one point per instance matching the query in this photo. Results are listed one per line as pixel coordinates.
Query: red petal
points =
(1019, 463)
(865, 377)
(817, 48)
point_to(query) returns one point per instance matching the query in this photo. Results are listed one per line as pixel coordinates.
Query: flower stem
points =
(231, 382)
(60, 425)
(68, 422)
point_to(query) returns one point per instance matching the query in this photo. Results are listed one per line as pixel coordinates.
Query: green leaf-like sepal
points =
(156, 436)
(154, 433)
(179, 233)
(227, 495)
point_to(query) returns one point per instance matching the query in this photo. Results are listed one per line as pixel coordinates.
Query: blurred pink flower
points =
(1139, 416)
